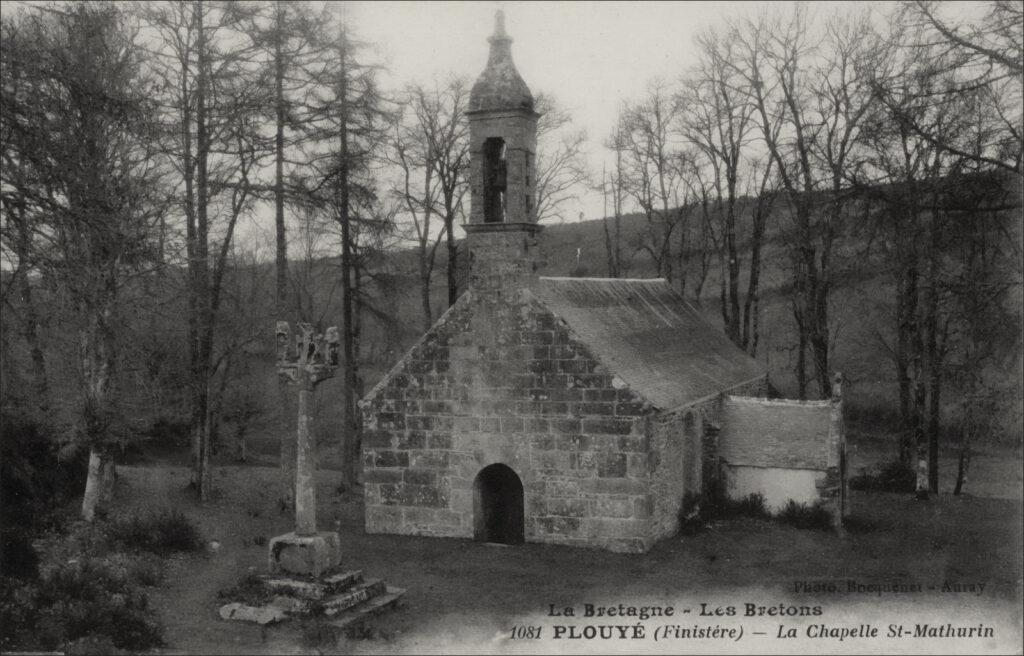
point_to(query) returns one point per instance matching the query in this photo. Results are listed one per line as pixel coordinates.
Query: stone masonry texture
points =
(505, 382)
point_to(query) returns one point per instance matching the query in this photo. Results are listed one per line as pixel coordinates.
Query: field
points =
(466, 597)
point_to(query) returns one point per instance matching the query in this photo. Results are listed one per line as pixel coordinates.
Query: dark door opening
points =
(498, 505)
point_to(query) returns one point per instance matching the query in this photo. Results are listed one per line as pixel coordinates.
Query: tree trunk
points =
(453, 283)
(108, 480)
(963, 463)
(428, 319)
(97, 350)
(93, 484)
(40, 386)
(279, 106)
(732, 326)
(240, 445)
(933, 352)
(920, 398)
(750, 305)
(906, 309)
(801, 356)
(609, 253)
(201, 285)
(350, 437)
(286, 470)
(617, 202)
(286, 496)
(357, 333)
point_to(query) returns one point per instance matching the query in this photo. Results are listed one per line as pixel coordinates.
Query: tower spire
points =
(502, 228)
(499, 28)
(500, 86)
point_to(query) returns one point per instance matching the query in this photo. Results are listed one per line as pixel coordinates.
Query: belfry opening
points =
(495, 180)
(498, 505)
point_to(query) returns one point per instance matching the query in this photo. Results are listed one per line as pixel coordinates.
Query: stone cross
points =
(315, 361)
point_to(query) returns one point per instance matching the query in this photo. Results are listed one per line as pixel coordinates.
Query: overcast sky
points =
(591, 56)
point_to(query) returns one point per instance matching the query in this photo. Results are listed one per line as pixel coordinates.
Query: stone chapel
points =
(575, 411)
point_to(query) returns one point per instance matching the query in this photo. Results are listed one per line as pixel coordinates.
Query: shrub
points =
(88, 604)
(35, 478)
(18, 559)
(751, 505)
(93, 645)
(17, 615)
(801, 515)
(872, 415)
(170, 430)
(690, 520)
(893, 476)
(697, 510)
(160, 533)
(145, 569)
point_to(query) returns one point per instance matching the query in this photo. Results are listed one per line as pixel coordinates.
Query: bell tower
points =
(502, 229)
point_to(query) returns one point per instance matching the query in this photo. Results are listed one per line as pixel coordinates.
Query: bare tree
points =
(927, 190)
(615, 183)
(19, 223)
(718, 123)
(983, 58)
(561, 168)
(652, 174)
(212, 97)
(80, 136)
(350, 118)
(773, 62)
(431, 150)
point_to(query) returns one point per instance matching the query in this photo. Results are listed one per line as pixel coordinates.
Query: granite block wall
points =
(500, 382)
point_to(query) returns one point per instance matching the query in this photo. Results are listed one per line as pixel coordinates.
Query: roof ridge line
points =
(761, 400)
(603, 279)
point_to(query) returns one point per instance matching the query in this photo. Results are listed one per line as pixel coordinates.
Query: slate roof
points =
(655, 341)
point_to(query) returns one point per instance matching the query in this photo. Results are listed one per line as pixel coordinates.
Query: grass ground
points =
(466, 597)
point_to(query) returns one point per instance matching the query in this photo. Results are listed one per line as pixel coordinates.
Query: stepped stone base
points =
(308, 555)
(343, 597)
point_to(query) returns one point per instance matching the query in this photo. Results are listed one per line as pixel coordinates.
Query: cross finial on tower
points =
(499, 28)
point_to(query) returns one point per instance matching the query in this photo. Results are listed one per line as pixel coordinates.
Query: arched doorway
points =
(498, 505)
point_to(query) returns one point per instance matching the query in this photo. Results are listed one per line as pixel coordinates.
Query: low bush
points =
(801, 515)
(170, 430)
(872, 415)
(160, 533)
(93, 645)
(36, 478)
(751, 505)
(144, 568)
(690, 520)
(18, 559)
(698, 510)
(84, 605)
(893, 477)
